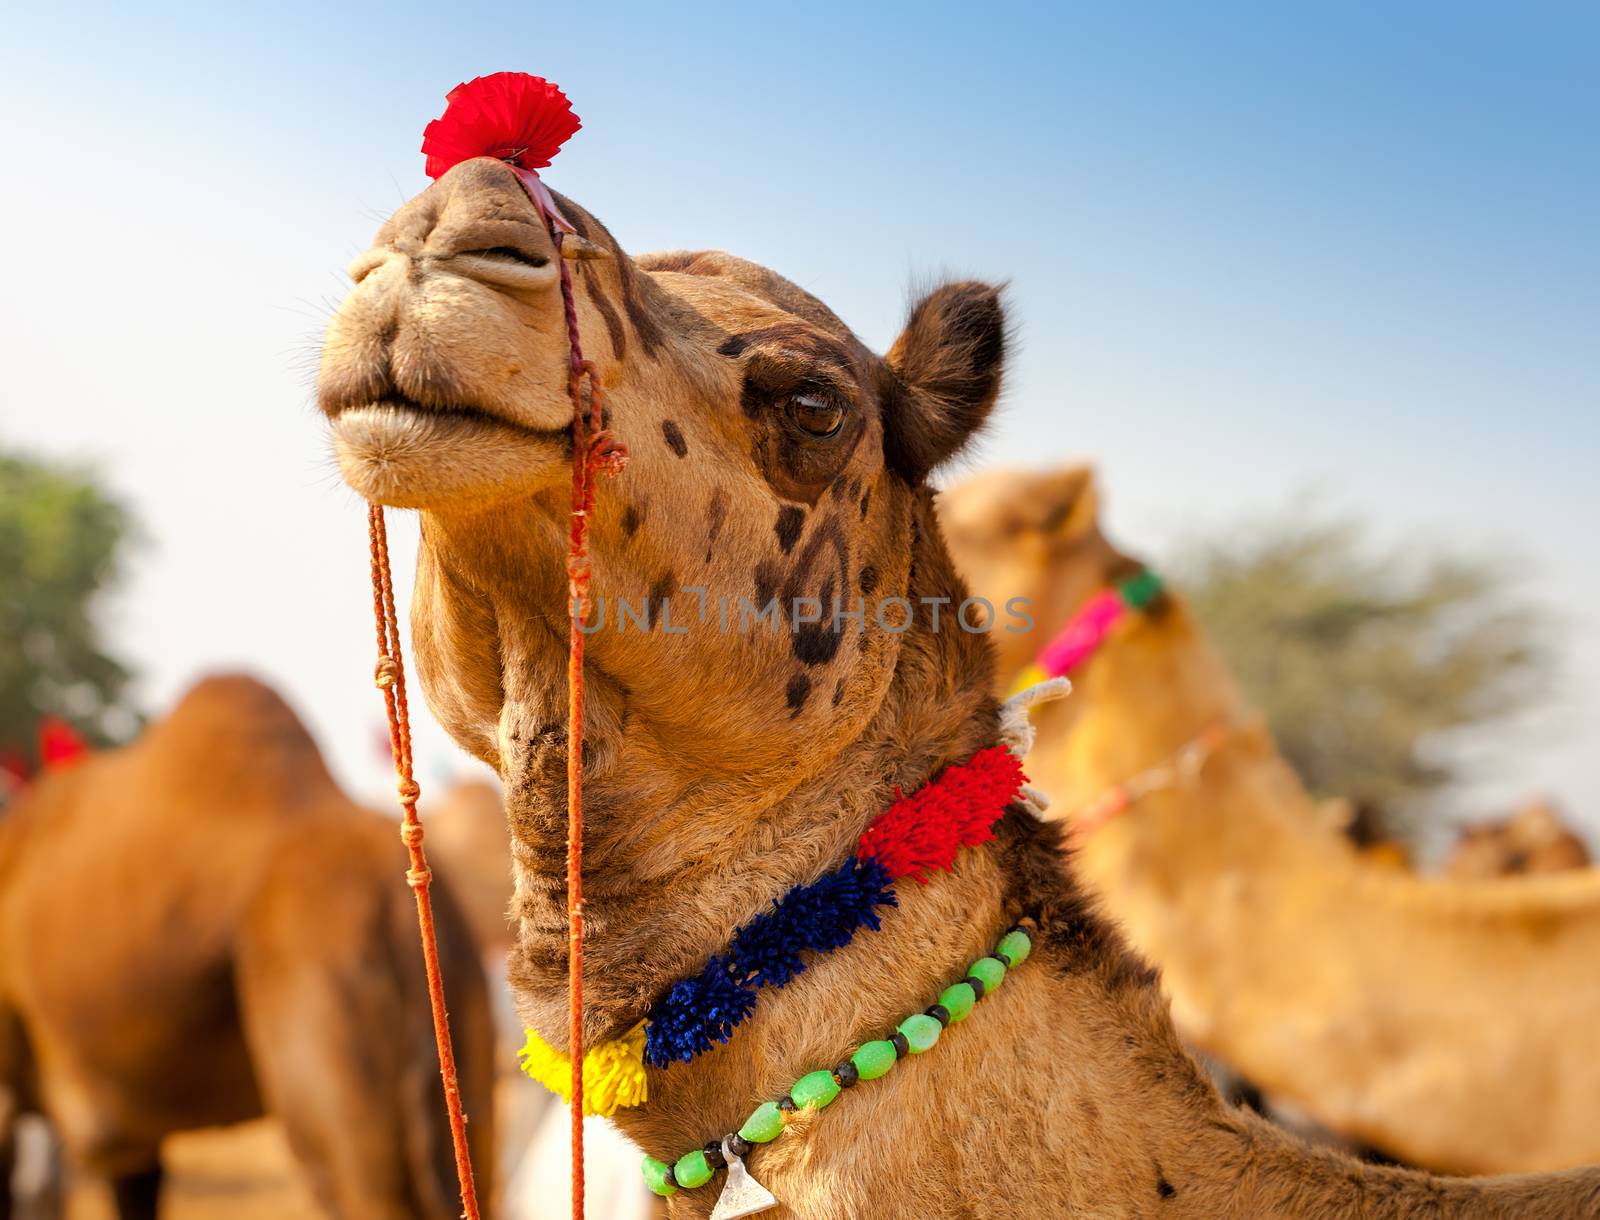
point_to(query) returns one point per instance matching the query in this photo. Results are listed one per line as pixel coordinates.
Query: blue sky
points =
(1253, 250)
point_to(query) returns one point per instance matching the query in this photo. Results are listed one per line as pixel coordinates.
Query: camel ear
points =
(1062, 504)
(944, 376)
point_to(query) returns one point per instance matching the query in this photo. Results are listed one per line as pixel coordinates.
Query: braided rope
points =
(390, 678)
(593, 451)
(578, 573)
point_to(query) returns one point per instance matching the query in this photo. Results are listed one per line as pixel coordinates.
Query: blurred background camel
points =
(1532, 840)
(200, 928)
(1446, 1024)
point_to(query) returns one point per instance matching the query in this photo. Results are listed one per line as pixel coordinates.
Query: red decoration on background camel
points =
(59, 743)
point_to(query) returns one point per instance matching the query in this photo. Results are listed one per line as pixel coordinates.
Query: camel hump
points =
(238, 697)
(236, 730)
(235, 706)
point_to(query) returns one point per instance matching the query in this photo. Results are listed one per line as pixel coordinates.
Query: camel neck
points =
(1065, 1092)
(667, 891)
(678, 855)
(1157, 692)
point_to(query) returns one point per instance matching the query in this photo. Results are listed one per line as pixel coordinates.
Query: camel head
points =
(1153, 684)
(1032, 534)
(772, 456)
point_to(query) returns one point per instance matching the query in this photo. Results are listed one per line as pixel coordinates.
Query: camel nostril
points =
(368, 263)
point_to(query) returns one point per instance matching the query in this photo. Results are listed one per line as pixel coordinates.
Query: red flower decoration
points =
(510, 116)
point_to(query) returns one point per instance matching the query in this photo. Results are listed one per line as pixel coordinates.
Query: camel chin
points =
(408, 457)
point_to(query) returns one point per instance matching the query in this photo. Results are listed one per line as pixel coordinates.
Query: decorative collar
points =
(916, 835)
(741, 1194)
(1086, 630)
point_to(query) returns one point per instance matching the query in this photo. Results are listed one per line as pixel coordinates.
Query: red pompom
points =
(510, 116)
(924, 831)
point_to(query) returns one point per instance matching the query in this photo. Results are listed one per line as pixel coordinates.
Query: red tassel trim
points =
(923, 831)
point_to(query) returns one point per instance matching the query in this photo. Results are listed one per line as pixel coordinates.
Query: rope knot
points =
(607, 454)
(581, 371)
(411, 833)
(386, 673)
(409, 792)
(418, 879)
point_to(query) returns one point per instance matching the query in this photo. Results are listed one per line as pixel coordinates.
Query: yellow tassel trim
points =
(613, 1072)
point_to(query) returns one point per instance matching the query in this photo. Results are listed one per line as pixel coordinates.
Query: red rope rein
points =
(593, 451)
(390, 677)
(583, 469)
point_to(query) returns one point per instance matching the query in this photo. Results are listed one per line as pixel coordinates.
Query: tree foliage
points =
(1361, 659)
(61, 537)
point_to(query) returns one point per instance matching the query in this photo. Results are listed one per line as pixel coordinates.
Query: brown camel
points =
(200, 928)
(1531, 840)
(773, 455)
(1447, 1024)
(466, 828)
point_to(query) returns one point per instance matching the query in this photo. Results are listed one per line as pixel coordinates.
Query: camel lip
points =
(410, 456)
(464, 413)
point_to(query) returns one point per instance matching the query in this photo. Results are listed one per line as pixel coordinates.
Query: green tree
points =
(61, 536)
(1362, 659)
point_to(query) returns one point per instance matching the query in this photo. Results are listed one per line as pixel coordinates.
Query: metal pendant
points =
(741, 1194)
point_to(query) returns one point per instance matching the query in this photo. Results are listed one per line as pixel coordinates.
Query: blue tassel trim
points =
(702, 1011)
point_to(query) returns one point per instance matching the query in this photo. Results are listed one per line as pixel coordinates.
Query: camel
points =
(773, 456)
(1446, 1024)
(467, 847)
(199, 929)
(1531, 840)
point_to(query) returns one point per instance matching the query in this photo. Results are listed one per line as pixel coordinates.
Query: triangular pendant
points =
(741, 1194)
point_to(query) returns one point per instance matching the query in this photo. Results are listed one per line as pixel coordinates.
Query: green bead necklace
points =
(916, 1034)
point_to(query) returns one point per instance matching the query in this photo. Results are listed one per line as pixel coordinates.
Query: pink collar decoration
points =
(513, 117)
(1086, 630)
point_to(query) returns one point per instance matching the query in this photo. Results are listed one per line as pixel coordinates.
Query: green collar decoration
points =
(742, 1195)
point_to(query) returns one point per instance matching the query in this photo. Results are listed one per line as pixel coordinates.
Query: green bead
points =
(1016, 946)
(814, 1089)
(991, 970)
(958, 1000)
(1139, 591)
(874, 1059)
(655, 1177)
(921, 1032)
(692, 1169)
(764, 1125)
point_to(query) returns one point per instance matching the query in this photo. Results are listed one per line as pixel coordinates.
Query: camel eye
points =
(815, 416)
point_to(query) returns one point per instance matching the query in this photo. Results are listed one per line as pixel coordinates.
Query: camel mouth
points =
(398, 407)
(406, 454)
